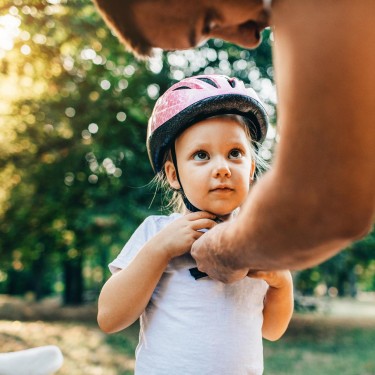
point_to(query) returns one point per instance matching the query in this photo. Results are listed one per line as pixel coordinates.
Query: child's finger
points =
(199, 215)
(203, 224)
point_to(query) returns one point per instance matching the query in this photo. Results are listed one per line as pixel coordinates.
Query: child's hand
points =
(177, 237)
(275, 279)
(278, 302)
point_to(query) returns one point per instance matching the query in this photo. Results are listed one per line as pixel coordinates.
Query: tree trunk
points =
(37, 270)
(353, 283)
(73, 280)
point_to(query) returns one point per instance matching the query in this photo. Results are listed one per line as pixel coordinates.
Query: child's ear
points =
(252, 171)
(170, 172)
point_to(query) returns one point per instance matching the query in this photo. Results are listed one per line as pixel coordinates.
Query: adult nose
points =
(221, 168)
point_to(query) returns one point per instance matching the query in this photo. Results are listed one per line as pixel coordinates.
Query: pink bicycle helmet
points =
(197, 98)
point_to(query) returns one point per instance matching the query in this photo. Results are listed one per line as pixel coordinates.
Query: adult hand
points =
(214, 256)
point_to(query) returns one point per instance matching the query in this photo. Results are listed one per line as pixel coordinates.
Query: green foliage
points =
(77, 153)
(349, 271)
(73, 163)
(74, 149)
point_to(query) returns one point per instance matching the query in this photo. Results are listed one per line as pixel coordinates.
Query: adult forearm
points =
(320, 194)
(278, 230)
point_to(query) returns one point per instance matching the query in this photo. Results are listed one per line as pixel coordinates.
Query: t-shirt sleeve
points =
(142, 234)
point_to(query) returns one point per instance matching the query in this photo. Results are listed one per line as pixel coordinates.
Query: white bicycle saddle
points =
(43, 360)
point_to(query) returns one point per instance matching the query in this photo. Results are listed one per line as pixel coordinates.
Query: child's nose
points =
(222, 169)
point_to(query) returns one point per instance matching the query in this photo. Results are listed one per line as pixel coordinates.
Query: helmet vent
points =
(209, 81)
(232, 82)
(182, 88)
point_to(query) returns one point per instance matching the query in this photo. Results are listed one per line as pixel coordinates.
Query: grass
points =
(86, 350)
(324, 346)
(314, 344)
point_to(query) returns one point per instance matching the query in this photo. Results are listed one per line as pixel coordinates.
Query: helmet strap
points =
(186, 201)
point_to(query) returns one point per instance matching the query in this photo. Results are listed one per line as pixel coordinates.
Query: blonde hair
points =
(173, 198)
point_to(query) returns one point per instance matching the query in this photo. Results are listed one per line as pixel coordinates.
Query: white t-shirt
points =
(197, 327)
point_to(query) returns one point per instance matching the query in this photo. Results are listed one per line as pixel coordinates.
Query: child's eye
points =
(201, 155)
(235, 154)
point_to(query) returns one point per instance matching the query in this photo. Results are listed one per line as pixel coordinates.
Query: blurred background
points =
(75, 183)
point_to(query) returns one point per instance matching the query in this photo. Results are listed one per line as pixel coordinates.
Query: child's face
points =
(214, 164)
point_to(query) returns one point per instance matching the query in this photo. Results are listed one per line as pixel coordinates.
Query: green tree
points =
(77, 154)
(344, 274)
(73, 163)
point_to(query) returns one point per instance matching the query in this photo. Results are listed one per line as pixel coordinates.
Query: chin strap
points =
(187, 203)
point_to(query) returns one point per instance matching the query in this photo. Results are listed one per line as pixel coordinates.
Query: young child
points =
(203, 138)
